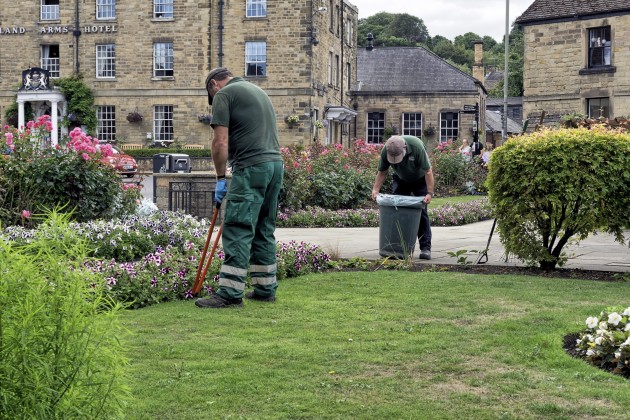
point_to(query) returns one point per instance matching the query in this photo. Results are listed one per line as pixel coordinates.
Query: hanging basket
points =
(134, 117)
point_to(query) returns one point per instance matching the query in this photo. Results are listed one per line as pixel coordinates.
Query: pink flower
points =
(9, 137)
(296, 165)
(26, 214)
(85, 156)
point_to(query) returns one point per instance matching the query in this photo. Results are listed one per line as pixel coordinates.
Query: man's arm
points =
(220, 149)
(428, 177)
(378, 183)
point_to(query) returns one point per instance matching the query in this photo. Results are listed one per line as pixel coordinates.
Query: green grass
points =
(441, 201)
(378, 345)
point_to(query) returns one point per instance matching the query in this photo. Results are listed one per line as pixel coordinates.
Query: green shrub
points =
(36, 177)
(329, 177)
(60, 354)
(454, 174)
(152, 151)
(551, 186)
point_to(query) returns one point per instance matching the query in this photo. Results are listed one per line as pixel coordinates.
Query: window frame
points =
(374, 127)
(105, 9)
(162, 8)
(447, 129)
(163, 53)
(407, 121)
(107, 63)
(597, 48)
(106, 126)
(49, 10)
(52, 64)
(167, 132)
(254, 50)
(256, 8)
(590, 103)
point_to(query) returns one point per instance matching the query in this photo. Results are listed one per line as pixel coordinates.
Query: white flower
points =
(591, 322)
(603, 325)
(590, 352)
(614, 318)
(627, 327)
(626, 312)
(599, 340)
(617, 354)
(625, 343)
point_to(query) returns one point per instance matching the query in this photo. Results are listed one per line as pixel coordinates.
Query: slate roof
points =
(511, 100)
(409, 69)
(493, 123)
(544, 10)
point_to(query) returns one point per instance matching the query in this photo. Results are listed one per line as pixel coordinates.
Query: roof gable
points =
(544, 10)
(409, 69)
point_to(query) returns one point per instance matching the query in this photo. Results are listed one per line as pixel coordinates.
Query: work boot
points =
(253, 296)
(216, 301)
(425, 254)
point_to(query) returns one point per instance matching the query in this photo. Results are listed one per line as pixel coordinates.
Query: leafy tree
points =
(392, 29)
(550, 187)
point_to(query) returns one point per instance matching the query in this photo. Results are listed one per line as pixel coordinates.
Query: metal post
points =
(505, 74)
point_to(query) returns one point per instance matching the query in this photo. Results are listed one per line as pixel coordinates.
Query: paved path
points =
(598, 252)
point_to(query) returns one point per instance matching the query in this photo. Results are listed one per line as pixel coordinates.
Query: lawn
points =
(378, 345)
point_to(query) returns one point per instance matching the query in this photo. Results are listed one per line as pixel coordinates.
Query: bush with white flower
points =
(606, 341)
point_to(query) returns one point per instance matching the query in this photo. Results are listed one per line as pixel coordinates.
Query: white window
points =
(599, 47)
(163, 123)
(163, 9)
(106, 61)
(106, 128)
(349, 32)
(412, 124)
(375, 127)
(105, 9)
(255, 58)
(330, 68)
(50, 59)
(163, 59)
(49, 10)
(598, 108)
(449, 126)
(336, 71)
(256, 8)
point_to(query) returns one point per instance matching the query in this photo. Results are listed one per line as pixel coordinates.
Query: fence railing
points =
(193, 197)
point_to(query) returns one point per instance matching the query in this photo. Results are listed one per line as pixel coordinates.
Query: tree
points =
(389, 29)
(553, 186)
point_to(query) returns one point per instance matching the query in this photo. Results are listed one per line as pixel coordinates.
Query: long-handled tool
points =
(483, 255)
(202, 268)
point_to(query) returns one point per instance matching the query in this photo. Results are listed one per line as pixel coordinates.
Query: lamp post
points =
(505, 74)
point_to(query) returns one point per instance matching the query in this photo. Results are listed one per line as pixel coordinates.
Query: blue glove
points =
(220, 190)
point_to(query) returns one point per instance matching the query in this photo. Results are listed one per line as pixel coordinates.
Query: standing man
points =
(246, 137)
(412, 176)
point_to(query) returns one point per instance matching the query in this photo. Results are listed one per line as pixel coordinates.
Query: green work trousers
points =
(248, 230)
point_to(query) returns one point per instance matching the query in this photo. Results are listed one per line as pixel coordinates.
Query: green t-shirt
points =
(414, 165)
(247, 112)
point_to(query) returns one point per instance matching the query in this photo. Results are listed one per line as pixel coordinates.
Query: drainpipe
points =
(76, 33)
(221, 3)
(342, 64)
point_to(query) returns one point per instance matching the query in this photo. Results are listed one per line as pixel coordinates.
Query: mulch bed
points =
(568, 345)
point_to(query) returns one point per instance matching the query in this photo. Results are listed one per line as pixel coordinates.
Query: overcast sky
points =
(450, 18)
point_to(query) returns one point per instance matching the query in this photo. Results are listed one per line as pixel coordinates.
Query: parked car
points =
(123, 163)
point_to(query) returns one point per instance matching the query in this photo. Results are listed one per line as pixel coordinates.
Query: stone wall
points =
(555, 54)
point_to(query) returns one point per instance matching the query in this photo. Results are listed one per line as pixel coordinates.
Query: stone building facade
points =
(577, 59)
(411, 91)
(152, 58)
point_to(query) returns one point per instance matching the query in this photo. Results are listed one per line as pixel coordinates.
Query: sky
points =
(450, 18)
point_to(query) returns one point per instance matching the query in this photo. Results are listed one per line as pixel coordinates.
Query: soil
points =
(569, 347)
(562, 273)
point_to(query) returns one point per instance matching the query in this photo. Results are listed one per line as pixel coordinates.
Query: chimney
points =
(478, 70)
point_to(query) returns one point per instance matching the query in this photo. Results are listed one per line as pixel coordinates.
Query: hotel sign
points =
(87, 29)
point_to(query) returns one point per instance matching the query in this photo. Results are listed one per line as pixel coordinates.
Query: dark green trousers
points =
(248, 230)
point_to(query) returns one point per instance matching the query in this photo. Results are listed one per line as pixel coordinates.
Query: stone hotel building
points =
(151, 58)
